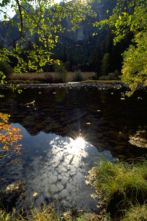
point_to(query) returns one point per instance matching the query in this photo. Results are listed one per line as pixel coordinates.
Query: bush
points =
(95, 77)
(60, 68)
(6, 68)
(110, 76)
(78, 76)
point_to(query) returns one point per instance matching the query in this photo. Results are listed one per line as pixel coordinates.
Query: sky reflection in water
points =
(53, 169)
(52, 164)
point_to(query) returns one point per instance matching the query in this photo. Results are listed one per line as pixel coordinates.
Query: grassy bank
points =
(136, 213)
(49, 214)
(52, 77)
(123, 189)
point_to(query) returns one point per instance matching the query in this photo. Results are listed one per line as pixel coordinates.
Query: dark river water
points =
(65, 131)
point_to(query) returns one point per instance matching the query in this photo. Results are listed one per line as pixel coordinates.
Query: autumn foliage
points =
(9, 135)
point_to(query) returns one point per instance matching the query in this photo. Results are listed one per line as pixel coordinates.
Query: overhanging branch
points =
(20, 15)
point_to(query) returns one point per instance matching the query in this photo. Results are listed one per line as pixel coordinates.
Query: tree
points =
(129, 18)
(39, 24)
(134, 67)
(9, 135)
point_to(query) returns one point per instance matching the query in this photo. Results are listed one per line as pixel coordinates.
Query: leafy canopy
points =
(40, 23)
(129, 18)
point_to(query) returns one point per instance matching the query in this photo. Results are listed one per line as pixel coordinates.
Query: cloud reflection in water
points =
(60, 175)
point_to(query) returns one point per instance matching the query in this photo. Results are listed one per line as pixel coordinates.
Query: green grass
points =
(4, 216)
(136, 213)
(47, 213)
(109, 178)
(120, 185)
(93, 217)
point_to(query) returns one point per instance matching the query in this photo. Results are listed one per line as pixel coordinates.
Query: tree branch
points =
(20, 15)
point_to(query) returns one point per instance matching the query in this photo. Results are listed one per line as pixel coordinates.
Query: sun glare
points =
(76, 146)
(79, 142)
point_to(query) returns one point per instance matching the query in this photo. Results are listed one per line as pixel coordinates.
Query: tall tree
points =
(129, 18)
(40, 23)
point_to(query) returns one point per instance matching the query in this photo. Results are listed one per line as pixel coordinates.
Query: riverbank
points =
(53, 77)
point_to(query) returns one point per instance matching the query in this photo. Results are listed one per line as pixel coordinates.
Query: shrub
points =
(5, 68)
(60, 68)
(95, 77)
(78, 76)
(110, 76)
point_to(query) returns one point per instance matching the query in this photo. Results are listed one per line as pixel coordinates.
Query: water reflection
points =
(103, 118)
(59, 175)
(54, 159)
(77, 144)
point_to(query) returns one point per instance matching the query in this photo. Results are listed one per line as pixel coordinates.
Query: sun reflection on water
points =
(77, 145)
(79, 142)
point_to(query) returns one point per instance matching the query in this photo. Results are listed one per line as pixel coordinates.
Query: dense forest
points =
(87, 48)
(107, 37)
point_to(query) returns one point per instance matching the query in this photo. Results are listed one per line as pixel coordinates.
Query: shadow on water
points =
(65, 131)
